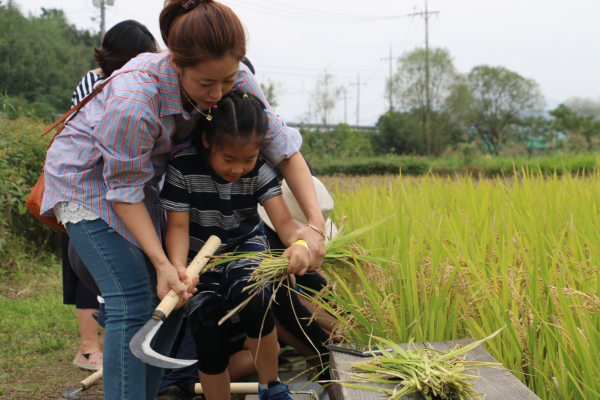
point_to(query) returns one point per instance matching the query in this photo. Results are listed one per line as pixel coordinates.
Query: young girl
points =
(213, 188)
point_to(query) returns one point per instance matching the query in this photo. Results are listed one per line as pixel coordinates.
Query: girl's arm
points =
(298, 177)
(285, 225)
(136, 218)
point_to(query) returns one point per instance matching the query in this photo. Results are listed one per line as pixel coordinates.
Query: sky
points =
(292, 43)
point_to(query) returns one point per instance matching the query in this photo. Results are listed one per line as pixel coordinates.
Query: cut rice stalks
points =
(433, 373)
(340, 252)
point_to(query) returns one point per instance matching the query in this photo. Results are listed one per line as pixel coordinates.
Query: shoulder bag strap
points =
(89, 97)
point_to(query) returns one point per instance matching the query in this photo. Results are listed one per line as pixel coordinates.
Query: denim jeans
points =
(127, 280)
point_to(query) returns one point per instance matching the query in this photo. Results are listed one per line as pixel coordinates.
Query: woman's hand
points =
(316, 245)
(170, 277)
(299, 259)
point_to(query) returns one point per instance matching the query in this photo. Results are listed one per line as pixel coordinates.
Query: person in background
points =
(121, 43)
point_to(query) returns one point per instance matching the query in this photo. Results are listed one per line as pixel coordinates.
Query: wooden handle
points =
(90, 380)
(171, 299)
(242, 387)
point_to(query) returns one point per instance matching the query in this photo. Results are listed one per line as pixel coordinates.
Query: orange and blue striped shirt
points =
(116, 148)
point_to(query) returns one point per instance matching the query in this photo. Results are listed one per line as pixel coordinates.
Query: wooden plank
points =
(497, 384)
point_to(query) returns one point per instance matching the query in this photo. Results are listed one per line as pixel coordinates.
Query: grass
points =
(38, 334)
(473, 256)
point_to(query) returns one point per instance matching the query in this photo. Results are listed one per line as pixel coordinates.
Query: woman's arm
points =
(281, 146)
(127, 151)
(298, 177)
(178, 237)
(137, 220)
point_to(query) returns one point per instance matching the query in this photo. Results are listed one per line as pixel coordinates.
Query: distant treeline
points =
(42, 59)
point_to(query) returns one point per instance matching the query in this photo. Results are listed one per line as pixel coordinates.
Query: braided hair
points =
(238, 116)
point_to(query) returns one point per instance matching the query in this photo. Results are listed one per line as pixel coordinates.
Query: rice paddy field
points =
(471, 256)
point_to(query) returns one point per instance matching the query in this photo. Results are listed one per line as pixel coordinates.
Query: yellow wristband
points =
(301, 243)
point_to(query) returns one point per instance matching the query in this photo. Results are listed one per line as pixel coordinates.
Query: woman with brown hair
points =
(104, 170)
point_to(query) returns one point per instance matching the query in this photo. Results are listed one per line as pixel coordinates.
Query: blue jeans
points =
(127, 280)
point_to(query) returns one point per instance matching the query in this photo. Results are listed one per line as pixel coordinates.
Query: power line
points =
(363, 46)
(308, 11)
(328, 18)
(321, 69)
(266, 71)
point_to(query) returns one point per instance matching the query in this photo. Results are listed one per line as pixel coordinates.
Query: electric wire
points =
(308, 11)
(311, 17)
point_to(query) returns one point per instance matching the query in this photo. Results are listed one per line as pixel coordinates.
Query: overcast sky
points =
(292, 42)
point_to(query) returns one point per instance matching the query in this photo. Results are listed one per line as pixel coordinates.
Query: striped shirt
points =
(90, 81)
(216, 206)
(116, 148)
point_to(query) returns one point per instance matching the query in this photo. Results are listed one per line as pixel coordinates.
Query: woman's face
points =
(208, 81)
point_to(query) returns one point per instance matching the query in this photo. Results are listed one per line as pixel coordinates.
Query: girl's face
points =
(232, 160)
(208, 81)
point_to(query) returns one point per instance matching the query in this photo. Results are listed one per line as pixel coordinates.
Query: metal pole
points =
(427, 110)
(345, 107)
(391, 103)
(427, 92)
(358, 101)
(102, 19)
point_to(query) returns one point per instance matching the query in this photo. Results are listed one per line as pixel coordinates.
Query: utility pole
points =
(345, 107)
(345, 97)
(102, 4)
(358, 84)
(426, 15)
(102, 20)
(390, 58)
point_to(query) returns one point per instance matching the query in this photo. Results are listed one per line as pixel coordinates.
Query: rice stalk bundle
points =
(341, 253)
(433, 373)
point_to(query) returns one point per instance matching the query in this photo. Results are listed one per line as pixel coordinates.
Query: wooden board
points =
(497, 384)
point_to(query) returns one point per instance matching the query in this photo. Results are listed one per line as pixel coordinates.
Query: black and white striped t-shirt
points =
(90, 81)
(216, 206)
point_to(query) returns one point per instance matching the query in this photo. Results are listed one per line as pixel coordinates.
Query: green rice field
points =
(471, 256)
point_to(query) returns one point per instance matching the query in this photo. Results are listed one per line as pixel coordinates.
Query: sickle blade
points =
(140, 347)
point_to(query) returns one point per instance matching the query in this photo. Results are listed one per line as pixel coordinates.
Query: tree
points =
(584, 106)
(401, 133)
(325, 96)
(409, 88)
(500, 98)
(42, 59)
(272, 91)
(533, 133)
(409, 82)
(351, 142)
(573, 123)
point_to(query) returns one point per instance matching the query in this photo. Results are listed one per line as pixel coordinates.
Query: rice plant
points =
(472, 255)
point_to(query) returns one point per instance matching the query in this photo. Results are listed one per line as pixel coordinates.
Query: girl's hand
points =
(170, 277)
(299, 259)
(316, 245)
